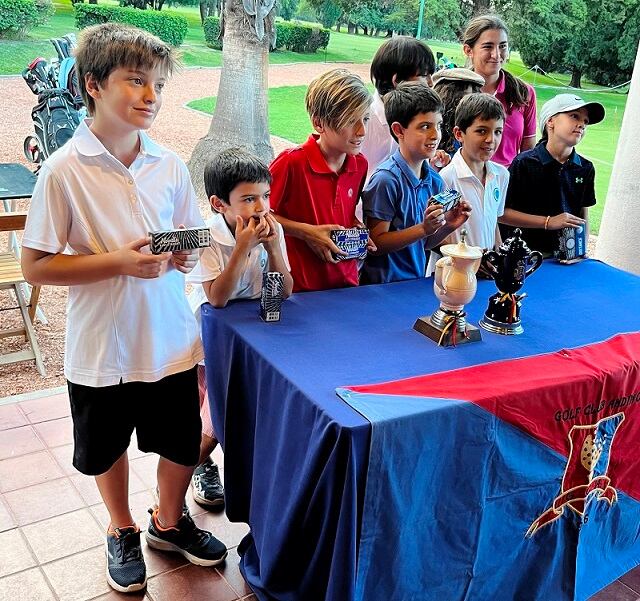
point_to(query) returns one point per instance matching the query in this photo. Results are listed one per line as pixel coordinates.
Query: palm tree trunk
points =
(240, 118)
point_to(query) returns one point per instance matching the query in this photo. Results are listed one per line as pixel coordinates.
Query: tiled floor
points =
(52, 523)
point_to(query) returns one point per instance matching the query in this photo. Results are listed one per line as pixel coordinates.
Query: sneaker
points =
(198, 546)
(126, 571)
(206, 485)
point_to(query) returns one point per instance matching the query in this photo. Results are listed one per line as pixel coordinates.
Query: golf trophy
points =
(454, 286)
(509, 265)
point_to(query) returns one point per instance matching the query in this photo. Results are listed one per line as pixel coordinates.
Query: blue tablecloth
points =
(296, 456)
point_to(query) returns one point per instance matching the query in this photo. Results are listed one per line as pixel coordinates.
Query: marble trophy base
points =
(432, 326)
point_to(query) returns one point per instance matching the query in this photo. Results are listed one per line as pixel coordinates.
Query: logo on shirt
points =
(579, 180)
(496, 194)
(263, 262)
(350, 193)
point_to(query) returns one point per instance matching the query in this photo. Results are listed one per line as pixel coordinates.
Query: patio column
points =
(619, 240)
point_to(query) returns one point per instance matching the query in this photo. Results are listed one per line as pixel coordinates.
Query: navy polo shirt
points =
(396, 195)
(540, 185)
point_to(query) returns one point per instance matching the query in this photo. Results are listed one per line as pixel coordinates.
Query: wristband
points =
(546, 222)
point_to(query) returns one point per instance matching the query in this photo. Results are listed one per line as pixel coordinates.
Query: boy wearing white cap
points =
(551, 186)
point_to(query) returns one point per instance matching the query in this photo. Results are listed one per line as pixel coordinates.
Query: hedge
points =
(17, 16)
(170, 28)
(297, 38)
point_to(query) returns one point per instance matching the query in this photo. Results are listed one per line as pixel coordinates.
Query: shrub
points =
(18, 16)
(294, 37)
(170, 28)
(212, 32)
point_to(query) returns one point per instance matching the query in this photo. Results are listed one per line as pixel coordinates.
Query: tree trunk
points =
(365, 30)
(576, 76)
(338, 25)
(240, 118)
(203, 11)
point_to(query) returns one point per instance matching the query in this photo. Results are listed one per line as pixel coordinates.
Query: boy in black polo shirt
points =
(551, 185)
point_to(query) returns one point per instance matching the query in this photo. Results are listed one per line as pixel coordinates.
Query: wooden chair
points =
(11, 278)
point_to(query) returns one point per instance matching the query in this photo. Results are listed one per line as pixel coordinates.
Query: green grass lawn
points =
(286, 105)
(288, 119)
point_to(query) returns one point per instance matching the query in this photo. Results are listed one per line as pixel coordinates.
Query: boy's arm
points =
(57, 269)
(276, 252)
(388, 242)
(541, 222)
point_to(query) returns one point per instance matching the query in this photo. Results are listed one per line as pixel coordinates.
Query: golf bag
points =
(60, 108)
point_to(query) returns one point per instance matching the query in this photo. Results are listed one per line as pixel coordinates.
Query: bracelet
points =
(546, 222)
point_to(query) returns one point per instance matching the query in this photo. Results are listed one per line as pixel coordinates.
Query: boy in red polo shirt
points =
(316, 186)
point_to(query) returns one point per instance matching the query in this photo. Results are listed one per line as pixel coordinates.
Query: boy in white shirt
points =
(132, 343)
(246, 241)
(479, 123)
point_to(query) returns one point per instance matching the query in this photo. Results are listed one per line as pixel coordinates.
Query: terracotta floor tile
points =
(6, 519)
(64, 535)
(34, 503)
(145, 468)
(139, 503)
(616, 591)
(46, 408)
(632, 579)
(217, 523)
(79, 577)
(19, 441)
(64, 458)
(230, 571)
(191, 582)
(27, 470)
(11, 416)
(250, 598)
(25, 586)
(56, 432)
(14, 553)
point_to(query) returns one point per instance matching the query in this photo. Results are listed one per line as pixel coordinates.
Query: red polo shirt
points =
(305, 189)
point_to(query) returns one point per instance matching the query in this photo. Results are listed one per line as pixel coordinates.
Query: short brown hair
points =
(109, 46)
(408, 99)
(477, 106)
(337, 97)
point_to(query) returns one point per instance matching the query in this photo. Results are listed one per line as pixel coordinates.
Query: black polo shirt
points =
(540, 185)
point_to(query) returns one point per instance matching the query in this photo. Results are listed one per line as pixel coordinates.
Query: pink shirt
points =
(520, 123)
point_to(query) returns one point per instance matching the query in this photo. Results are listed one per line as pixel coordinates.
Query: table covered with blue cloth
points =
(368, 470)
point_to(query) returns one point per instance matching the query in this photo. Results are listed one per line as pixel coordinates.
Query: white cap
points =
(564, 103)
(458, 74)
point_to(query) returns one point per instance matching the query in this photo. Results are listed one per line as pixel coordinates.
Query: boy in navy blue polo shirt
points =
(551, 185)
(402, 224)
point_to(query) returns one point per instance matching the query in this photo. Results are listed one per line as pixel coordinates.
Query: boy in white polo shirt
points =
(479, 123)
(132, 342)
(246, 241)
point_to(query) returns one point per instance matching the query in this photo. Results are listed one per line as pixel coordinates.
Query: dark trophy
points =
(509, 265)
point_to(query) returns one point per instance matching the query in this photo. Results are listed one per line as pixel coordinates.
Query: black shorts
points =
(165, 415)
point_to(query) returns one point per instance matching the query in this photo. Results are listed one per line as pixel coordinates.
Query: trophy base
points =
(501, 327)
(426, 327)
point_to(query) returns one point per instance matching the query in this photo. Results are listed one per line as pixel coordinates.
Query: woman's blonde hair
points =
(106, 47)
(336, 98)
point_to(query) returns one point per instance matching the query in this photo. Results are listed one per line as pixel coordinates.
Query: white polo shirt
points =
(486, 201)
(378, 143)
(86, 202)
(215, 259)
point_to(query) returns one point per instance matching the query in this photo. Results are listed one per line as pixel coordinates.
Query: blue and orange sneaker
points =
(126, 571)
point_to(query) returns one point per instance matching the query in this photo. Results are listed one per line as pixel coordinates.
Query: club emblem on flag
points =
(585, 477)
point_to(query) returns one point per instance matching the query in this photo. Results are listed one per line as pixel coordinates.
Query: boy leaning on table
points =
(132, 343)
(246, 242)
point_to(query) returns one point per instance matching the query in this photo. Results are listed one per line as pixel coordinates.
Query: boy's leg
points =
(102, 428)
(114, 490)
(173, 430)
(205, 484)
(173, 481)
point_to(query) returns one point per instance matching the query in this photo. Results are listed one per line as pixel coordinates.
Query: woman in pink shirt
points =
(486, 46)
